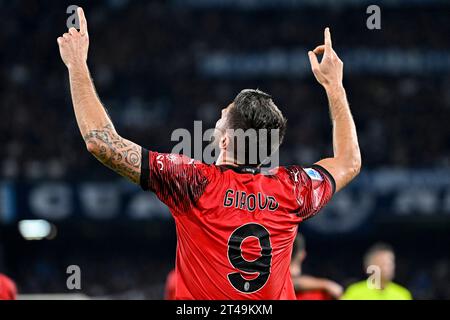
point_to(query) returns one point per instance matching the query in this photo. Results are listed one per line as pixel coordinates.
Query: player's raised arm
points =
(101, 138)
(346, 163)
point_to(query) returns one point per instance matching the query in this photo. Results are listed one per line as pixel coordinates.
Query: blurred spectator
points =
(308, 287)
(169, 293)
(380, 260)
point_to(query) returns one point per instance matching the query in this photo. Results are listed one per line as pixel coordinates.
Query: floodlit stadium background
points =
(160, 65)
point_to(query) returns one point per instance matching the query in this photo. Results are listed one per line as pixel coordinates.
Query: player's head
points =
(251, 120)
(298, 254)
(381, 255)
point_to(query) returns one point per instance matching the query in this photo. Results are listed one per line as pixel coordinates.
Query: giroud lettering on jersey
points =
(249, 201)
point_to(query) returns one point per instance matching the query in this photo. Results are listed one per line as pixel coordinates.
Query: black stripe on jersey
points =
(145, 170)
(241, 169)
(328, 174)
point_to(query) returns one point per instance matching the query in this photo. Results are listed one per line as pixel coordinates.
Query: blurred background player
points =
(382, 257)
(8, 289)
(170, 286)
(308, 287)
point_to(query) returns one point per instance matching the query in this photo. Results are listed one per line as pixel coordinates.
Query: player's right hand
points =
(74, 45)
(329, 71)
(334, 289)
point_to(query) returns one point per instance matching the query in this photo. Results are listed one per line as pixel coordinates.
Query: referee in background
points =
(381, 256)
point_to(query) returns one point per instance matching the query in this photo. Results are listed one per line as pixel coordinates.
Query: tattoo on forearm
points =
(119, 154)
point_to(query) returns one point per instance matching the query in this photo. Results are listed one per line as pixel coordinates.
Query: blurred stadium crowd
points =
(145, 58)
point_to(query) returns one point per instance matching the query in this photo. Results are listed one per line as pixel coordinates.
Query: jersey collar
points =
(241, 169)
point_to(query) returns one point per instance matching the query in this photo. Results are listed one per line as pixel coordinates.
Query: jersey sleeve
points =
(178, 181)
(313, 188)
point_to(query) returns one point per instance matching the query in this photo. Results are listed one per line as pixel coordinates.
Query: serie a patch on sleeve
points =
(313, 174)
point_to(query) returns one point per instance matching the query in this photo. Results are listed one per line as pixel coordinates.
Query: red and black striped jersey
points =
(235, 226)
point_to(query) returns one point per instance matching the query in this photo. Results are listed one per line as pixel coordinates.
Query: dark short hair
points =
(377, 247)
(299, 245)
(255, 109)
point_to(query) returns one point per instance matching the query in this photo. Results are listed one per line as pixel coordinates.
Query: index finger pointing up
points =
(327, 37)
(83, 22)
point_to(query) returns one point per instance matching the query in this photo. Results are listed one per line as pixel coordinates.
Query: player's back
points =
(235, 225)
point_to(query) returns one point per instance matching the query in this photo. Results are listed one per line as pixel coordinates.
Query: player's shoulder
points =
(173, 158)
(176, 159)
(360, 285)
(300, 174)
(355, 290)
(400, 290)
(181, 167)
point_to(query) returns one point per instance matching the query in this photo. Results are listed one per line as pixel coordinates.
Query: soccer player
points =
(171, 286)
(235, 226)
(308, 287)
(8, 289)
(381, 256)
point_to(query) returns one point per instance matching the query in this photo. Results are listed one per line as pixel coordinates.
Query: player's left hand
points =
(74, 45)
